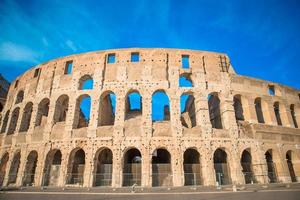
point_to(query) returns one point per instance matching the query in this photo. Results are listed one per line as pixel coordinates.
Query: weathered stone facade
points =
(233, 130)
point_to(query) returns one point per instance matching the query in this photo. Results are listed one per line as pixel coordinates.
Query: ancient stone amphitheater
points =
(149, 117)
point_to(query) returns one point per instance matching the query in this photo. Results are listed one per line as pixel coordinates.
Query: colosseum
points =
(147, 117)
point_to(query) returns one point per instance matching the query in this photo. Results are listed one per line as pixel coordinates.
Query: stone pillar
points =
(39, 175)
(63, 168)
(88, 169)
(237, 176)
(117, 171)
(146, 166)
(281, 166)
(259, 164)
(8, 166)
(22, 166)
(70, 116)
(207, 164)
(94, 113)
(177, 166)
(268, 112)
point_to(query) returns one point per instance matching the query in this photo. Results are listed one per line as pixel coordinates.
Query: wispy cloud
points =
(71, 45)
(10, 51)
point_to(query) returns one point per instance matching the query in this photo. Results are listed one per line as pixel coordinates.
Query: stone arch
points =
(133, 104)
(258, 110)
(271, 168)
(215, 110)
(3, 164)
(103, 167)
(188, 110)
(161, 168)
(292, 109)
(238, 108)
(221, 166)
(185, 80)
(191, 167)
(26, 117)
(14, 168)
(42, 112)
(13, 121)
(132, 167)
(160, 106)
(82, 111)
(76, 166)
(5, 122)
(277, 113)
(86, 82)
(20, 97)
(293, 163)
(61, 109)
(30, 168)
(247, 168)
(52, 168)
(1, 107)
(107, 109)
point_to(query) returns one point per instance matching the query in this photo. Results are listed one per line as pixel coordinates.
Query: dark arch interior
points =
(161, 168)
(191, 167)
(76, 167)
(132, 171)
(30, 168)
(246, 162)
(291, 166)
(214, 111)
(14, 168)
(103, 167)
(3, 164)
(258, 109)
(238, 108)
(221, 167)
(271, 168)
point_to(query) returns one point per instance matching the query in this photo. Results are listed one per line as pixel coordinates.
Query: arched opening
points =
(292, 108)
(160, 106)
(76, 167)
(5, 122)
(52, 168)
(214, 111)
(3, 164)
(185, 80)
(107, 109)
(86, 83)
(187, 108)
(161, 168)
(132, 167)
(289, 160)
(61, 109)
(133, 105)
(271, 166)
(1, 107)
(42, 113)
(13, 121)
(103, 167)
(246, 163)
(14, 168)
(25, 123)
(29, 174)
(277, 113)
(258, 110)
(221, 167)
(238, 108)
(82, 112)
(191, 167)
(20, 97)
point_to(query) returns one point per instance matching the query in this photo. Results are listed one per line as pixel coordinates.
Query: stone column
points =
(207, 164)
(177, 165)
(63, 168)
(146, 166)
(117, 171)
(22, 166)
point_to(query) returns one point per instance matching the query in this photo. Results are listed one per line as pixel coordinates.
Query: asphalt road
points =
(264, 195)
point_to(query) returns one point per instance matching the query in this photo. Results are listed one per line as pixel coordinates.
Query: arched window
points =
(1, 107)
(185, 80)
(277, 113)
(13, 121)
(3, 163)
(292, 108)
(76, 167)
(26, 118)
(258, 109)
(42, 114)
(86, 82)
(103, 167)
(246, 162)
(14, 168)
(271, 166)
(160, 106)
(238, 108)
(214, 111)
(132, 167)
(107, 109)
(5, 121)
(161, 168)
(221, 167)
(133, 105)
(187, 108)
(292, 158)
(20, 97)
(82, 112)
(52, 168)
(30, 168)
(191, 167)
(61, 109)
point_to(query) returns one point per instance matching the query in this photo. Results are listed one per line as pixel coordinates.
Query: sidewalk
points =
(155, 190)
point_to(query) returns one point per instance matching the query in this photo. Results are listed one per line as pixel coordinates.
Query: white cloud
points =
(10, 51)
(71, 45)
(45, 41)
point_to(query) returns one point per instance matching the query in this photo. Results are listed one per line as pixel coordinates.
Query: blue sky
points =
(261, 37)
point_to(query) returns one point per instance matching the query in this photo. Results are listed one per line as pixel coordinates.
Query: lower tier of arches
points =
(98, 163)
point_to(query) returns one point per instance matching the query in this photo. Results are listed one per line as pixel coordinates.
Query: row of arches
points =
(161, 168)
(260, 110)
